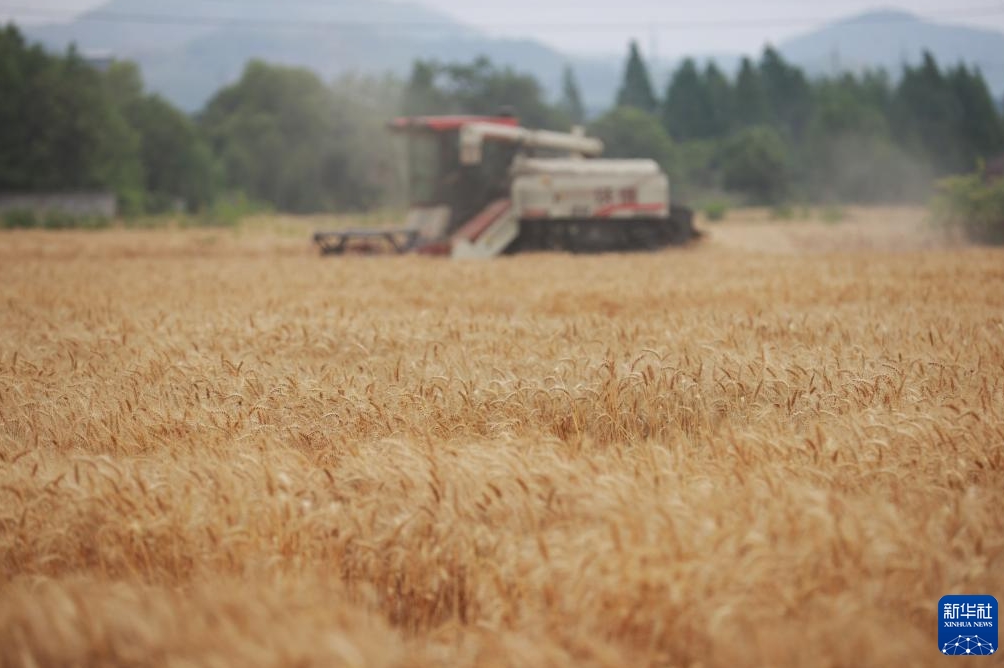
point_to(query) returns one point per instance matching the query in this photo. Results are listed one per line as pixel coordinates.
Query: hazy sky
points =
(604, 26)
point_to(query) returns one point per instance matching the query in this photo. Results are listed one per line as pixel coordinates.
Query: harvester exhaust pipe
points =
(473, 136)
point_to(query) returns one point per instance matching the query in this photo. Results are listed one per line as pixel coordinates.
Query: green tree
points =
(695, 170)
(697, 105)
(948, 116)
(571, 98)
(59, 129)
(628, 132)
(750, 99)
(66, 126)
(422, 96)
(177, 167)
(755, 162)
(980, 130)
(480, 88)
(720, 103)
(686, 107)
(285, 138)
(636, 89)
(847, 151)
(786, 93)
(974, 204)
(876, 90)
(844, 105)
(926, 115)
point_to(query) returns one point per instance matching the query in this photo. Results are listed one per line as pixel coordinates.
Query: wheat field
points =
(779, 447)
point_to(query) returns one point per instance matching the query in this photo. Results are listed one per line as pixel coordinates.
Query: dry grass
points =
(222, 450)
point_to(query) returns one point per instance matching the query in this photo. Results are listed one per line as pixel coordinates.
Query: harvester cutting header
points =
(481, 186)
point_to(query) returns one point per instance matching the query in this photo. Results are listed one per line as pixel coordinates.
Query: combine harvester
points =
(483, 186)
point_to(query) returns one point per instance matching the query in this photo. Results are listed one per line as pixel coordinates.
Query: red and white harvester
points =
(483, 186)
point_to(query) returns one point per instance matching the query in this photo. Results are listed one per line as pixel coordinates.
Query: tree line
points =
(279, 137)
(66, 126)
(770, 133)
(283, 138)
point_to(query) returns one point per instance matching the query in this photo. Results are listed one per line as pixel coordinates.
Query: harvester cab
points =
(447, 188)
(482, 186)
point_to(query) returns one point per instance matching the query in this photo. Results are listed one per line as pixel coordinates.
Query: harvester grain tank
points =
(484, 186)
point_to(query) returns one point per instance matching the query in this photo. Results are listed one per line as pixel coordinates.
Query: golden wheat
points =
(221, 450)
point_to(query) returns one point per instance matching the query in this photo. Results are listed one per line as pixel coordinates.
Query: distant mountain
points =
(888, 39)
(107, 29)
(191, 49)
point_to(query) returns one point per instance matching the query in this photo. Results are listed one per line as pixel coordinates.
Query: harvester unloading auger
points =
(483, 186)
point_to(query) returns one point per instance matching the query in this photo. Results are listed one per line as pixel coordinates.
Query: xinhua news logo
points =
(967, 625)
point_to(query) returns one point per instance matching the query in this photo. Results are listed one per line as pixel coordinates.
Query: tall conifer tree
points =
(636, 90)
